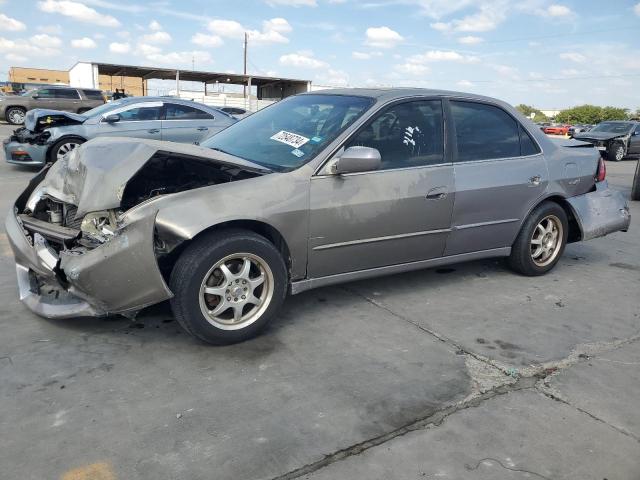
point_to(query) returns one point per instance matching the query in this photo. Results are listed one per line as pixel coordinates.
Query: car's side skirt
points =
(308, 284)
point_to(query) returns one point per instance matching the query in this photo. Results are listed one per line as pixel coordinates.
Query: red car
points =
(557, 129)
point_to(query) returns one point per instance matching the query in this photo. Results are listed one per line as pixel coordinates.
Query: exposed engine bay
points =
(167, 173)
(23, 135)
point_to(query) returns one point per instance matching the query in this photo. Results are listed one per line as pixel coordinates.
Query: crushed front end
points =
(24, 147)
(90, 266)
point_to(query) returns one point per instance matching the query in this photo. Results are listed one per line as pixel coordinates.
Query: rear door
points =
(500, 173)
(67, 99)
(187, 124)
(398, 214)
(139, 120)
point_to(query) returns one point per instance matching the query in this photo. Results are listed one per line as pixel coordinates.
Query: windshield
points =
(100, 110)
(613, 127)
(290, 133)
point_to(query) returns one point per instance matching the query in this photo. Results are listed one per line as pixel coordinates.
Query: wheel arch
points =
(261, 228)
(63, 137)
(575, 232)
(9, 107)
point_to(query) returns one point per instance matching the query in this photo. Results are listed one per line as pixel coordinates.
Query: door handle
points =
(154, 130)
(535, 180)
(436, 194)
(203, 129)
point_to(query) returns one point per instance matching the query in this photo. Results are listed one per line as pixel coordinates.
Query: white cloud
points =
(506, 71)
(146, 50)
(205, 40)
(442, 56)
(272, 31)
(382, 37)
(573, 57)
(487, 18)
(11, 24)
(293, 3)
(637, 9)
(42, 39)
(334, 78)
(571, 72)
(361, 55)
(116, 47)
(84, 42)
(558, 10)
(226, 28)
(465, 83)
(302, 59)
(155, 26)
(278, 24)
(412, 68)
(78, 11)
(470, 40)
(158, 37)
(441, 26)
(198, 57)
(31, 47)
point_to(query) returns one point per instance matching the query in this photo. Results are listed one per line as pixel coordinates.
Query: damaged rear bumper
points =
(600, 212)
(119, 276)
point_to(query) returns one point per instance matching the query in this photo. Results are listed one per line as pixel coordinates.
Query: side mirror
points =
(357, 159)
(112, 118)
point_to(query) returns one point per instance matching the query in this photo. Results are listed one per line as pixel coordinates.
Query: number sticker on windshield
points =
(292, 139)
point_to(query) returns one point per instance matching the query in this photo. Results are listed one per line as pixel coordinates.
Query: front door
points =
(634, 141)
(500, 173)
(398, 214)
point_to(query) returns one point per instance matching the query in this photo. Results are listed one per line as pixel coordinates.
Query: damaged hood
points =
(39, 119)
(93, 176)
(603, 136)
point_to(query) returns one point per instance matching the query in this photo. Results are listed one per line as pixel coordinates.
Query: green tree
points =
(591, 114)
(527, 110)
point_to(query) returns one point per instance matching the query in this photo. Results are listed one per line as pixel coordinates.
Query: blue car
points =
(48, 135)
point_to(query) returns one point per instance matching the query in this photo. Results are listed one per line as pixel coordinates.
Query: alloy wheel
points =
(236, 291)
(546, 241)
(65, 148)
(619, 153)
(16, 116)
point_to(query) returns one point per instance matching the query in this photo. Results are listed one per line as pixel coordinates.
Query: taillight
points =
(601, 174)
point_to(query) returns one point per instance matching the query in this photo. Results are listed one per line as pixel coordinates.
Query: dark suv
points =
(77, 100)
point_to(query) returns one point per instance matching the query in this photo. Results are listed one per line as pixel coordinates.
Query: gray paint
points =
(336, 227)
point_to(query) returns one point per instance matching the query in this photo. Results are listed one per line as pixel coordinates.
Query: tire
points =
(635, 187)
(526, 256)
(63, 146)
(212, 317)
(615, 152)
(15, 115)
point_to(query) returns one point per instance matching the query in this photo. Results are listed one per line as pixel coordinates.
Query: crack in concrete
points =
(432, 420)
(506, 467)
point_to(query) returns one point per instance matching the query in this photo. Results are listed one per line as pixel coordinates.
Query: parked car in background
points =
(77, 100)
(318, 189)
(556, 129)
(578, 128)
(236, 112)
(614, 138)
(48, 135)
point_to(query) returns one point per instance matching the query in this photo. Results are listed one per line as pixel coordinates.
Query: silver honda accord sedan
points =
(320, 188)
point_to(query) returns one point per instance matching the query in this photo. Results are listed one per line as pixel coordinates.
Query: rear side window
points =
(68, 93)
(527, 145)
(45, 93)
(175, 111)
(406, 135)
(484, 132)
(93, 94)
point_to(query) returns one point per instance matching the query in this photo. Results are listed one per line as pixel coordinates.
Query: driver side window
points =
(141, 113)
(408, 134)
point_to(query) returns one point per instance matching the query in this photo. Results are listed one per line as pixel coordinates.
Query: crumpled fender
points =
(600, 212)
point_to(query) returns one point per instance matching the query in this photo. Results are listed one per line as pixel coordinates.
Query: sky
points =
(547, 53)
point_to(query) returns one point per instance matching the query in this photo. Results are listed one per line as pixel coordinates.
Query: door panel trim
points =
(308, 284)
(484, 224)
(380, 239)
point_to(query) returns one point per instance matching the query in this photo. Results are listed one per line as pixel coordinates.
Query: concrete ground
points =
(468, 372)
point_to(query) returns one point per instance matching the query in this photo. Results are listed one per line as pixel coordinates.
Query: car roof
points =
(385, 94)
(182, 101)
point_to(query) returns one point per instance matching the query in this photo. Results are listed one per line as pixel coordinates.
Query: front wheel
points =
(615, 152)
(64, 146)
(541, 240)
(227, 286)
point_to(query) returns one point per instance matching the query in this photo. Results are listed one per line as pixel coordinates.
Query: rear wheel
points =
(227, 286)
(64, 146)
(541, 240)
(15, 115)
(615, 152)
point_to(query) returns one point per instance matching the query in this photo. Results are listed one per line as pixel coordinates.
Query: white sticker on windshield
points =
(292, 139)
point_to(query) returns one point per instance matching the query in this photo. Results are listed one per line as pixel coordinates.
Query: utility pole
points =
(244, 89)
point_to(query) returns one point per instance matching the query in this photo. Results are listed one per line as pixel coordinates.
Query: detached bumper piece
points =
(24, 153)
(601, 212)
